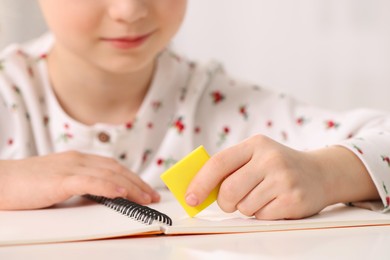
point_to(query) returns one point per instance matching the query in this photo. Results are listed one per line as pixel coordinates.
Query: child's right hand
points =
(39, 182)
(266, 179)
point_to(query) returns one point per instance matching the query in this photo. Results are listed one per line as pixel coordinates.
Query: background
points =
(333, 53)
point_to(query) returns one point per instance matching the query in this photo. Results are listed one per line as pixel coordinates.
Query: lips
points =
(127, 42)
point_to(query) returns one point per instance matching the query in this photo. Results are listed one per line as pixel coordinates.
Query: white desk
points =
(343, 243)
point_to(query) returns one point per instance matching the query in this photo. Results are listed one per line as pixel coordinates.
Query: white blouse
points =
(187, 105)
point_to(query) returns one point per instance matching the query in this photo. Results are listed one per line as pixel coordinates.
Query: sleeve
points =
(8, 124)
(15, 132)
(365, 132)
(372, 145)
(231, 111)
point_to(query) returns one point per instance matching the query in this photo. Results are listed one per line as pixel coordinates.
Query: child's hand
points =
(263, 178)
(38, 182)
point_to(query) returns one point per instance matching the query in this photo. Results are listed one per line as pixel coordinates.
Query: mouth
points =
(127, 42)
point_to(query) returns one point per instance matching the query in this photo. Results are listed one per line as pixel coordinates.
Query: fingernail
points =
(156, 196)
(121, 190)
(146, 197)
(191, 200)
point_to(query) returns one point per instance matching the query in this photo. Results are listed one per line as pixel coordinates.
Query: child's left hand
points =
(262, 178)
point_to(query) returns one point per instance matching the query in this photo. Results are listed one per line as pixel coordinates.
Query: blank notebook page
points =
(76, 219)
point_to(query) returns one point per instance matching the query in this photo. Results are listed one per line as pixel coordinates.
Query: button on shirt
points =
(187, 105)
(103, 137)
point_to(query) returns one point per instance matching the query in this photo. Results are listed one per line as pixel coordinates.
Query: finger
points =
(84, 184)
(129, 176)
(271, 211)
(283, 207)
(237, 186)
(217, 168)
(258, 198)
(97, 161)
(133, 191)
(274, 210)
(142, 185)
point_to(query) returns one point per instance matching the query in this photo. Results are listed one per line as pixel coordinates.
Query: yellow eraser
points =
(178, 177)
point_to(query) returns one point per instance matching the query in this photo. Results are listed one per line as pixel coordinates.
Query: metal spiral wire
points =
(133, 210)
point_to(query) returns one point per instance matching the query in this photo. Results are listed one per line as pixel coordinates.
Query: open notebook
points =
(82, 219)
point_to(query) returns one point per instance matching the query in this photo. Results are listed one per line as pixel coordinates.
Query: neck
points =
(92, 95)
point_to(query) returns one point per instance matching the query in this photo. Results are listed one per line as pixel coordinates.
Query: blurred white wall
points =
(334, 53)
(20, 20)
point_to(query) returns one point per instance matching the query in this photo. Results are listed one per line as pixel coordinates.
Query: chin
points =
(122, 68)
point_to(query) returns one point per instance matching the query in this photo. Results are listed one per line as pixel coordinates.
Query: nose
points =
(128, 11)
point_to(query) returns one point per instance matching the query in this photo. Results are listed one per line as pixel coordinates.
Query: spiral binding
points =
(133, 210)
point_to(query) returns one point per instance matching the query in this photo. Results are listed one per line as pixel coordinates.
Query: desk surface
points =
(340, 243)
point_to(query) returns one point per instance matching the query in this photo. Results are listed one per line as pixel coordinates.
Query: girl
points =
(99, 105)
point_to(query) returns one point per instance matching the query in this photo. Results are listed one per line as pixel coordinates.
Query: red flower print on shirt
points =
(386, 159)
(43, 56)
(145, 155)
(197, 130)
(156, 105)
(45, 120)
(30, 71)
(14, 107)
(269, 123)
(243, 111)
(166, 163)
(160, 161)
(387, 195)
(217, 97)
(358, 149)
(226, 130)
(21, 53)
(301, 120)
(150, 125)
(284, 135)
(29, 68)
(183, 93)
(66, 135)
(16, 89)
(123, 156)
(223, 135)
(179, 125)
(176, 57)
(10, 141)
(192, 65)
(129, 125)
(330, 124)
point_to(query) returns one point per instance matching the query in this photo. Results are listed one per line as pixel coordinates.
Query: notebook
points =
(81, 219)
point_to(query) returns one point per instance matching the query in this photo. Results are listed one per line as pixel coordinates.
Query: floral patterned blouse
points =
(187, 105)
